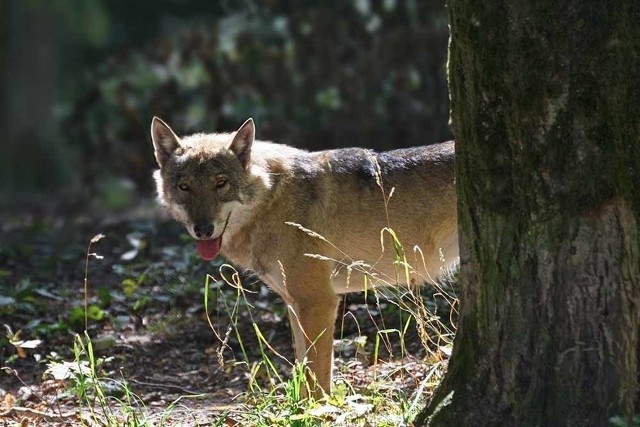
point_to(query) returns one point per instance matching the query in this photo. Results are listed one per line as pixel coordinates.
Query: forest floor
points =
(159, 354)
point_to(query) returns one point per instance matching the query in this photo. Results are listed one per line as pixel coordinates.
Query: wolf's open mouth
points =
(209, 249)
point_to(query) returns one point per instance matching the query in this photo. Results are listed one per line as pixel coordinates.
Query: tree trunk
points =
(545, 106)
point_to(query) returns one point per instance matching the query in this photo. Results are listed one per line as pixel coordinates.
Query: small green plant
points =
(101, 400)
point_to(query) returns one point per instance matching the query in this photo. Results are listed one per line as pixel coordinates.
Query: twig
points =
(95, 239)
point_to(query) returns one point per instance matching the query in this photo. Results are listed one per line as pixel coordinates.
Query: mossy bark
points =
(545, 107)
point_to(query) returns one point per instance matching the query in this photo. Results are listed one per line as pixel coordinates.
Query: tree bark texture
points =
(545, 108)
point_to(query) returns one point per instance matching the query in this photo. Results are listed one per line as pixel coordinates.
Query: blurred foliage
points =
(312, 74)
(86, 18)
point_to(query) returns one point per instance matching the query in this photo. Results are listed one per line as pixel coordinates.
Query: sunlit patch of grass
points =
(378, 394)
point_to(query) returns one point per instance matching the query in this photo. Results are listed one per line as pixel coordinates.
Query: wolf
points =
(311, 225)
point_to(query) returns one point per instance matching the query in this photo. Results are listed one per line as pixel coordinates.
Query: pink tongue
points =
(208, 249)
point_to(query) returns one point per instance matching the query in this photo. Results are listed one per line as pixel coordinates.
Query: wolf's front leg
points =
(312, 317)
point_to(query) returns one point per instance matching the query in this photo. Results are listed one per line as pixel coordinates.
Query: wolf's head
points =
(202, 178)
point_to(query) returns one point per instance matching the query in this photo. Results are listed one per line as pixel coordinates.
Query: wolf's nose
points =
(203, 231)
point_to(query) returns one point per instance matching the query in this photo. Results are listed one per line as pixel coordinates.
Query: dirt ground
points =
(147, 320)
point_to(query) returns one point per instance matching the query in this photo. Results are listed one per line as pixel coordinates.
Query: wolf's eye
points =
(221, 182)
(183, 187)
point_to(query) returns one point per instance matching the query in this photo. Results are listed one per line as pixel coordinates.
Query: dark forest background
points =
(81, 80)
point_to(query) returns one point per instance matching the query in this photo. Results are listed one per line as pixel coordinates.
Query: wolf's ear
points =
(241, 144)
(165, 142)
